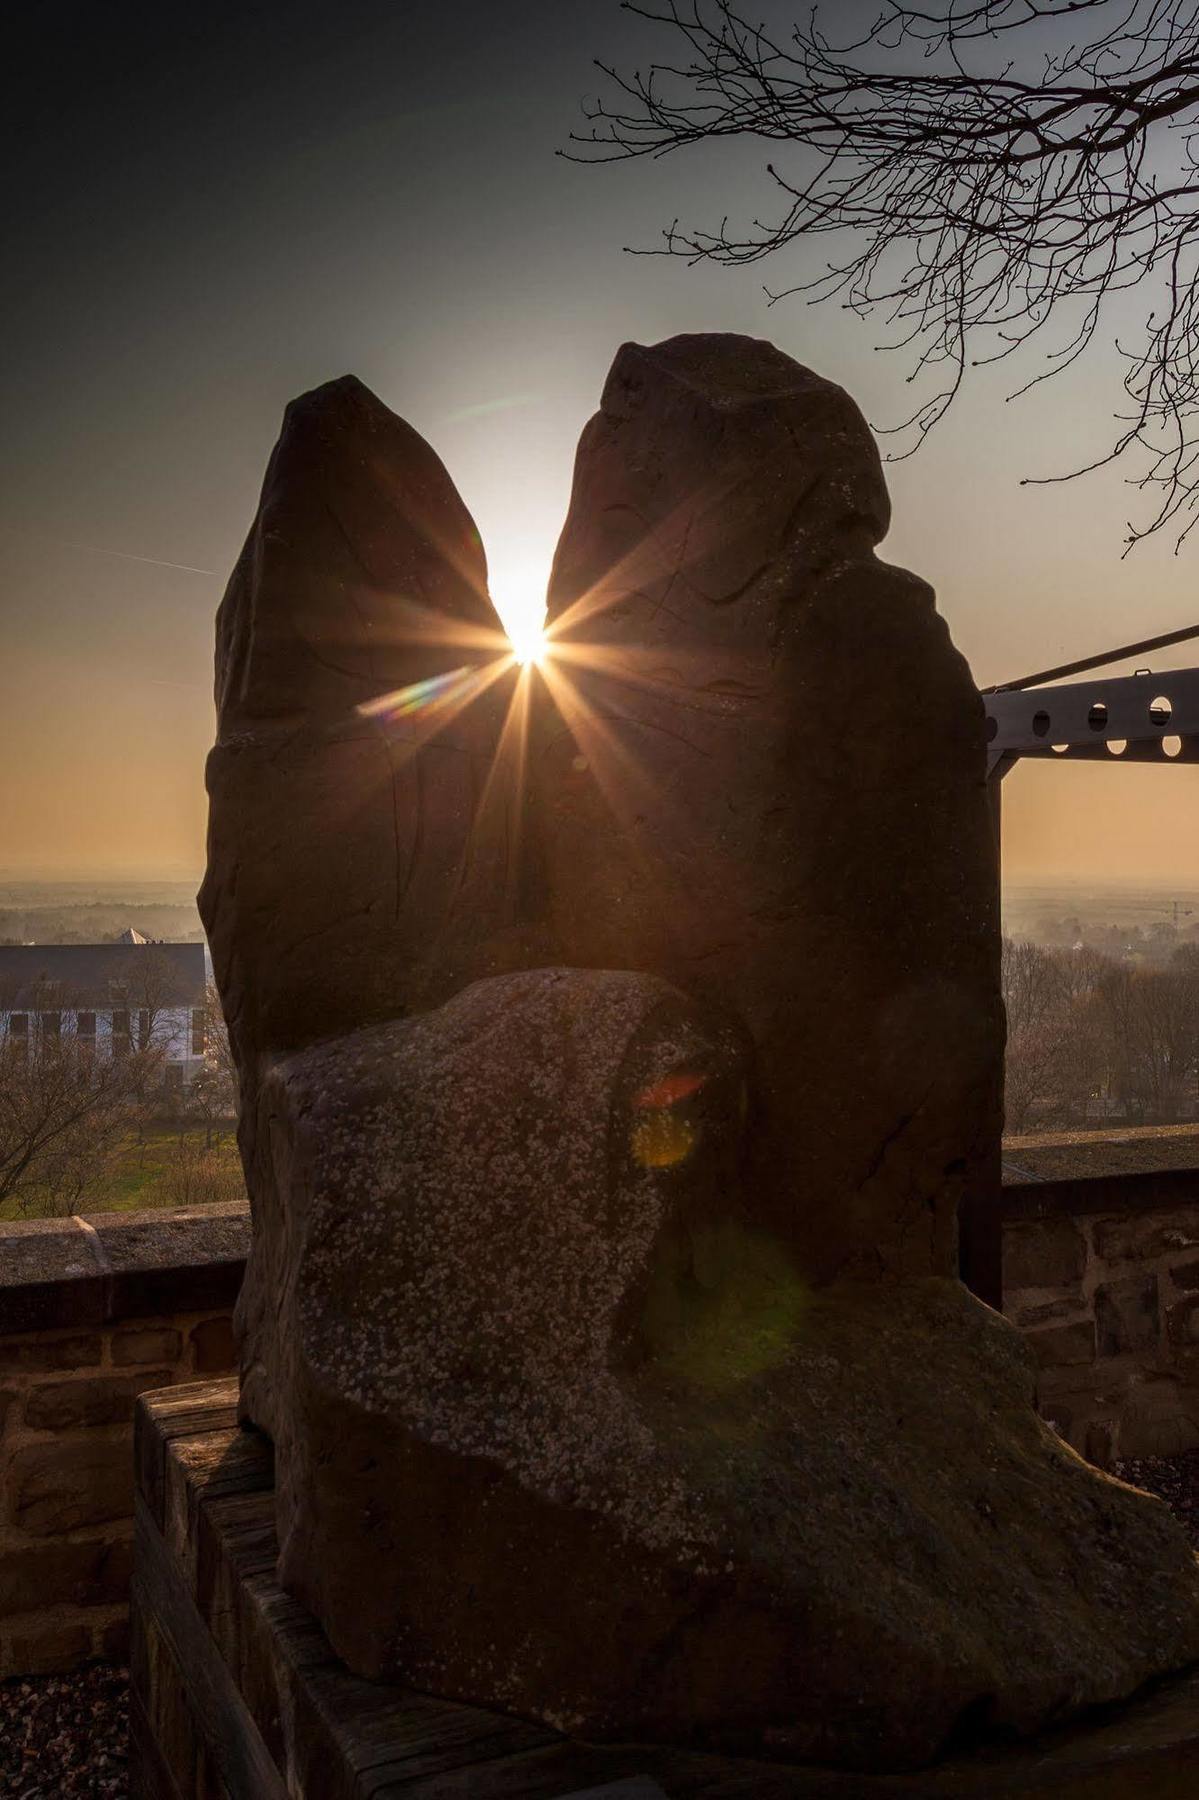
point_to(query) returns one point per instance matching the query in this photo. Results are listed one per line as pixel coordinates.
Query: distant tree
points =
(212, 1097)
(1036, 997)
(1033, 983)
(63, 1109)
(201, 1174)
(983, 173)
(1032, 1075)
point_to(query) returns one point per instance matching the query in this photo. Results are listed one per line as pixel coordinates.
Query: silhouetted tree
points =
(62, 1110)
(982, 172)
(212, 1098)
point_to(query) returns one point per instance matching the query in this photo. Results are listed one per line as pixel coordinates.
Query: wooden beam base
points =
(237, 1695)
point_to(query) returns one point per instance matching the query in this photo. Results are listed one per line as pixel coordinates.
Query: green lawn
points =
(166, 1167)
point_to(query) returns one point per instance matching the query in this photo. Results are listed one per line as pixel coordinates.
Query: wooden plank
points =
(249, 1520)
(634, 1787)
(546, 1774)
(225, 1726)
(186, 1409)
(149, 1776)
(203, 1468)
(568, 1768)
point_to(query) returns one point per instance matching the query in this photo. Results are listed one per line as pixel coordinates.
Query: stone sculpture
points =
(604, 1159)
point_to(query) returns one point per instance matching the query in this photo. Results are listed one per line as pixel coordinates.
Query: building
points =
(113, 999)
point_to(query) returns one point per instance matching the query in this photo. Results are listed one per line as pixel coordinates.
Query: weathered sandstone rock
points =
(562, 1432)
(603, 1313)
(765, 782)
(342, 847)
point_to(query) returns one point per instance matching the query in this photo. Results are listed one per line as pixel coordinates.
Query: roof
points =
(41, 976)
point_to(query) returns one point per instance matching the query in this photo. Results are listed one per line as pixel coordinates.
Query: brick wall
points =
(1101, 1272)
(1100, 1265)
(92, 1312)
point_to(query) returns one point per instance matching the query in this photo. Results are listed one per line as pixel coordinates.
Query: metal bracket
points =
(1128, 718)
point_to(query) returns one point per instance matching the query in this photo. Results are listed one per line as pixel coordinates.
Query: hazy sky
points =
(209, 209)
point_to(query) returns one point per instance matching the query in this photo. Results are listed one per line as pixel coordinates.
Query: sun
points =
(529, 643)
(517, 584)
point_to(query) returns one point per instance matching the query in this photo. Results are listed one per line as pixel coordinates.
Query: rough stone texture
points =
(518, 1351)
(602, 1313)
(24, 1355)
(58, 1489)
(104, 1400)
(1045, 1253)
(514, 1361)
(139, 1344)
(1135, 1300)
(765, 783)
(1160, 1417)
(1182, 1322)
(66, 1447)
(1133, 1239)
(1127, 1316)
(1064, 1344)
(81, 1572)
(51, 1648)
(328, 1733)
(342, 846)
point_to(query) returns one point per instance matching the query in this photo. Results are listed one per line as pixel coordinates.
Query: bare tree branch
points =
(987, 173)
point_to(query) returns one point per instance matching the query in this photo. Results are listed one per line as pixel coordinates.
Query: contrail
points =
(485, 407)
(156, 562)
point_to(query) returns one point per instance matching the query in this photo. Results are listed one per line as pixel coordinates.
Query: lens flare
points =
(662, 1140)
(673, 1087)
(438, 693)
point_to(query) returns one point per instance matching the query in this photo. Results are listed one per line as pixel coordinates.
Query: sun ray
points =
(665, 549)
(625, 787)
(504, 783)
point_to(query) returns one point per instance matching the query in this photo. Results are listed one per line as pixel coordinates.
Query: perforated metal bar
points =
(1129, 718)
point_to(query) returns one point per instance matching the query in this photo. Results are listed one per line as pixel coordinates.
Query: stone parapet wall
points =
(1101, 1272)
(94, 1311)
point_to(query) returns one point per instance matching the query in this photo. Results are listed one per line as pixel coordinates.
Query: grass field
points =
(166, 1166)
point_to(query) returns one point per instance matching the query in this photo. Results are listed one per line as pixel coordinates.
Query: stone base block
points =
(237, 1696)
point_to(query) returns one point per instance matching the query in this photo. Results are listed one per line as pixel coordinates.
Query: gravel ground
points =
(64, 1737)
(1174, 1479)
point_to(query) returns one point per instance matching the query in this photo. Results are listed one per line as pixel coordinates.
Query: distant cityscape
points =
(97, 912)
(1128, 922)
(1120, 918)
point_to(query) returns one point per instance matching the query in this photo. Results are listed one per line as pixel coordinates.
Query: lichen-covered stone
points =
(558, 1431)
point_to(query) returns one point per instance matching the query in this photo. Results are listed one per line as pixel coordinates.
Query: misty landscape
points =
(83, 912)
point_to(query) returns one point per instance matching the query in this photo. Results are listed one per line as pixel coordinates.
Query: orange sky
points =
(227, 243)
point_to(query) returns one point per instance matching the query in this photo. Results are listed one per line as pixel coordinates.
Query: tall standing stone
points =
(340, 841)
(764, 780)
(603, 1313)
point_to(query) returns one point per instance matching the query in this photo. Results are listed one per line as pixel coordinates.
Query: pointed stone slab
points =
(763, 779)
(341, 846)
